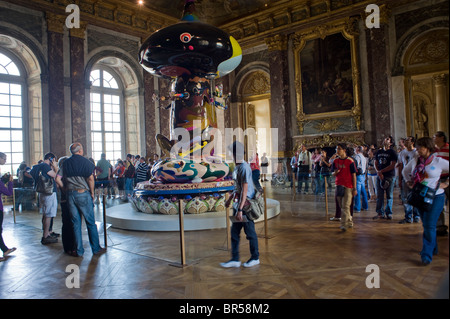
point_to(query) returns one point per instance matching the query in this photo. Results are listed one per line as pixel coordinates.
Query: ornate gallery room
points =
(136, 112)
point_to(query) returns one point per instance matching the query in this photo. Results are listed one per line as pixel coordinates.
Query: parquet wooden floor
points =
(307, 257)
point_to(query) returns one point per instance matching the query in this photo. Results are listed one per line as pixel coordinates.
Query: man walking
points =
(244, 189)
(78, 175)
(385, 161)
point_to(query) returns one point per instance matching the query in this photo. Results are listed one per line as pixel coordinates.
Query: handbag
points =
(44, 185)
(422, 197)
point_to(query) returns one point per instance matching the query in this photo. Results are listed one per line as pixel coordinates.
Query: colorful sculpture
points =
(192, 55)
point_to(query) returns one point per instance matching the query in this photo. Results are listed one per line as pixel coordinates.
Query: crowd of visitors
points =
(361, 173)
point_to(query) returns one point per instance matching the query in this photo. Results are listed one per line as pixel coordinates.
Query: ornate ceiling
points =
(214, 12)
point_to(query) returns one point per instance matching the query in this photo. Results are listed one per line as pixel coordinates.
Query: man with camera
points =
(44, 180)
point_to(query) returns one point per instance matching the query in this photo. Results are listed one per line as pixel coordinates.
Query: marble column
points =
(56, 112)
(440, 82)
(279, 98)
(77, 76)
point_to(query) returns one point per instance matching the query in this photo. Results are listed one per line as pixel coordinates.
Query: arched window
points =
(106, 123)
(11, 113)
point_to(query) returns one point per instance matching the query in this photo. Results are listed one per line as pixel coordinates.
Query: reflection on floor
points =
(306, 256)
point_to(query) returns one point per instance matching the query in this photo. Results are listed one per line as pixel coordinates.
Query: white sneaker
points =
(251, 263)
(231, 264)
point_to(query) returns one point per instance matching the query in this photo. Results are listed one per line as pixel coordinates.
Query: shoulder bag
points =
(253, 207)
(422, 197)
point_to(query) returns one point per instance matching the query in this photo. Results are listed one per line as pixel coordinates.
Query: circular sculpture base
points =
(197, 198)
(125, 217)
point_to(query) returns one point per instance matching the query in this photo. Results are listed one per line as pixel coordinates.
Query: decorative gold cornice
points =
(329, 140)
(79, 32)
(289, 17)
(278, 42)
(123, 16)
(55, 22)
(440, 79)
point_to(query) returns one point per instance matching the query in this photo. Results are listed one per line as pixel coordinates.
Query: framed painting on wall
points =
(327, 73)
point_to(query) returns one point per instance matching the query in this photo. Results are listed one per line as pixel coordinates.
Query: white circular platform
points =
(125, 217)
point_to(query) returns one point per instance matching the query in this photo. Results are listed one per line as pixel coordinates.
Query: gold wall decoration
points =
(433, 49)
(256, 83)
(329, 140)
(328, 125)
(349, 31)
(428, 53)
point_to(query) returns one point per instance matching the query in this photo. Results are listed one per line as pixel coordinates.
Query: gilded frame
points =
(349, 29)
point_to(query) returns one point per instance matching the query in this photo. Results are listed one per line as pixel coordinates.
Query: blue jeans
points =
(361, 193)
(322, 181)
(256, 173)
(429, 222)
(129, 186)
(81, 204)
(389, 197)
(303, 176)
(249, 229)
(410, 211)
(318, 189)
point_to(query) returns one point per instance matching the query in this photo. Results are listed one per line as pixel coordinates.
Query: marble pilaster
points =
(377, 44)
(279, 97)
(440, 83)
(150, 114)
(78, 95)
(55, 34)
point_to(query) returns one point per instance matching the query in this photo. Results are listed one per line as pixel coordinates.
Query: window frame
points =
(22, 81)
(108, 91)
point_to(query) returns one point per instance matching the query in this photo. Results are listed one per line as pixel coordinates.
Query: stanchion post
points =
(266, 219)
(326, 196)
(227, 217)
(265, 214)
(181, 220)
(293, 186)
(104, 221)
(14, 204)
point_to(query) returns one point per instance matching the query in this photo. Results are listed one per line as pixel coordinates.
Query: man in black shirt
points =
(385, 161)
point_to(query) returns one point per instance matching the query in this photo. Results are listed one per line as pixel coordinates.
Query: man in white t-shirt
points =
(361, 200)
(404, 157)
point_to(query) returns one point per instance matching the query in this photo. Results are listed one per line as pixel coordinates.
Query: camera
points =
(6, 177)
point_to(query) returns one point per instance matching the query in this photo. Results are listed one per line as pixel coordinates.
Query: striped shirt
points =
(141, 172)
(443, 152)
